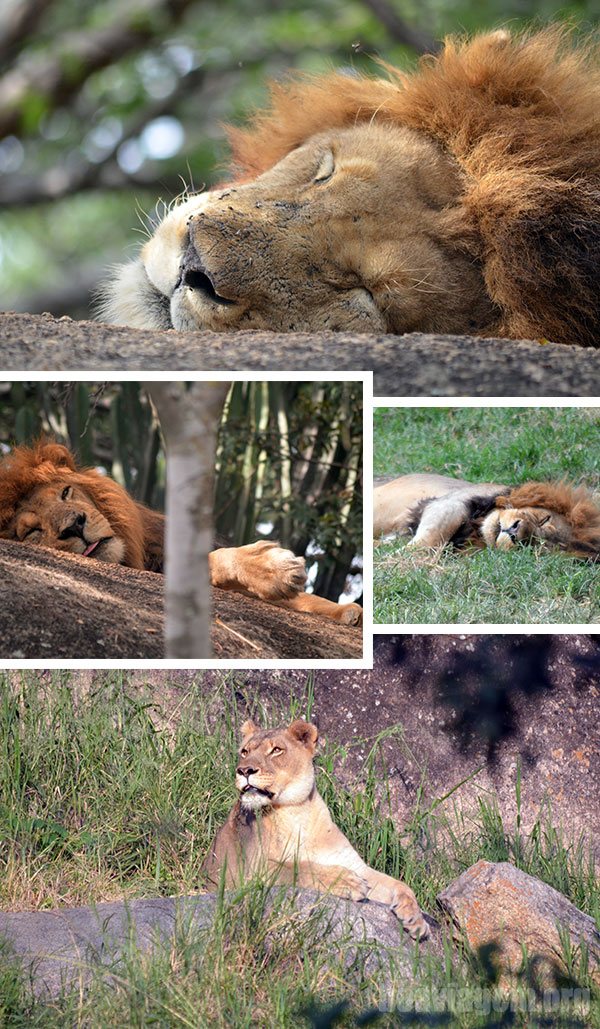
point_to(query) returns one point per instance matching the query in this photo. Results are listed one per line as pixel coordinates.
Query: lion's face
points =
(275, 767)
(505, 527)
(61, 515)
(359, 229)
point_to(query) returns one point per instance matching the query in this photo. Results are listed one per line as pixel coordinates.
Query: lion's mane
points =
(141, 529)
(574, 503)
(521, 116)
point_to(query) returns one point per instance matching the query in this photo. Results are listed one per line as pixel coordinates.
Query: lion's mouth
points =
(255, 791)
(91, 548)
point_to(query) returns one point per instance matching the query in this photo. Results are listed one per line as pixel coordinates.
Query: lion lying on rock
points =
(462, 197)
(438, 510)
(45, 499)
(281, 826)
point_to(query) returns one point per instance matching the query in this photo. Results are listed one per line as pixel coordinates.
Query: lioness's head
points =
(359, 228)
(276, 765)
(62, 515)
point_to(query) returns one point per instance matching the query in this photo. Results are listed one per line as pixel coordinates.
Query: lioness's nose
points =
(246, 770)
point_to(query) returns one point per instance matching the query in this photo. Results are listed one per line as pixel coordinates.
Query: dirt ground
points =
(416, 682)
(55, 605)
(413, 365)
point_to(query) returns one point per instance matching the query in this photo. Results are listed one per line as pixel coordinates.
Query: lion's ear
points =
(248, 728)
(305, 732)
(57, 455)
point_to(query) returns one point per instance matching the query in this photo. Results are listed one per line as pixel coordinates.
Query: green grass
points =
(105, 794)
(506, 445)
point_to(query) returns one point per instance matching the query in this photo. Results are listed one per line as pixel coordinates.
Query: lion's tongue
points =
(90, 548)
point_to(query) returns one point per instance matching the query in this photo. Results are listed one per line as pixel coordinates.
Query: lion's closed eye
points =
(326, 168)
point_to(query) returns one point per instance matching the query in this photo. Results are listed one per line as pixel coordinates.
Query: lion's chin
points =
(109, 549)
(252, 797)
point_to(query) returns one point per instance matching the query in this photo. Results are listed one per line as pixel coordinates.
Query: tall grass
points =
(105, 793)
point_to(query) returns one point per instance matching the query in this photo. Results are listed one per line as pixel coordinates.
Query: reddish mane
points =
(575, 503)
(43, 463)
(521, 116)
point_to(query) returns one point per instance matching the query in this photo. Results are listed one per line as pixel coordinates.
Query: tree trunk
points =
(189, 415)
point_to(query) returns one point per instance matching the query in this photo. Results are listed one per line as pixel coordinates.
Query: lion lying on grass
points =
(281, 826)
(438, 510)
(461, 197)
(46, 499)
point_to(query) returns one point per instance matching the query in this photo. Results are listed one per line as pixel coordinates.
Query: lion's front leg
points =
(347, 614)
(264, 569)
(400, 899)
(441, 519)
(342, 882)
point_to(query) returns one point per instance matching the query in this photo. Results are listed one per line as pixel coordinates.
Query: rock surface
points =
(498, 904)
(405, 366)
(66, 944)
(55, 605)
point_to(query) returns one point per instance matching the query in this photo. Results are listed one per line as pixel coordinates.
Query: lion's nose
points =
(246, 770)
(195, 276)
(74, 528)
(512, 529)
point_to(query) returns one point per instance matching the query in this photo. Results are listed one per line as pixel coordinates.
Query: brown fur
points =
(574, 503)
(47, 463)
(521, 116)
(31, 481)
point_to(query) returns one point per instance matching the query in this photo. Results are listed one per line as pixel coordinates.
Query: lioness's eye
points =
(325, 169)
(276, 751)
(243, 752)
(66, 493)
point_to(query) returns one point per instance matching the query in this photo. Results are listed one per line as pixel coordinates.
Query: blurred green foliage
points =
(108, 107)
(289, 459)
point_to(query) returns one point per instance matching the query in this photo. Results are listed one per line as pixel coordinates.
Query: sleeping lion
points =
(438, 510)
(461, 197)
(281, 826)
(46, 499)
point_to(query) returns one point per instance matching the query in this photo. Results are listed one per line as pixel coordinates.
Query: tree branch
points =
(399, 30)
(19, 25)
(57, 78)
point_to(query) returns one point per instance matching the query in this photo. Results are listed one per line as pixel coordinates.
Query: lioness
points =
(439, 510)
(281, 825)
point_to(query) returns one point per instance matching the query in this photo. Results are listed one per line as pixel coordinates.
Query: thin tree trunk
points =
(189, 415)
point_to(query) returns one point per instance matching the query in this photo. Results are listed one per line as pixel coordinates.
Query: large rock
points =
(500, 906)
(408, 366)
(68, 944)
(55, 606)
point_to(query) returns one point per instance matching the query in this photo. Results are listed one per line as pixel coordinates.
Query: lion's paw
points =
(351, 614)
(405, 908)
(271, 572)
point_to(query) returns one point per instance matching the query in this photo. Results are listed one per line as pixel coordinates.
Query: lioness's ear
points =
(305, 732)
(248, 728)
